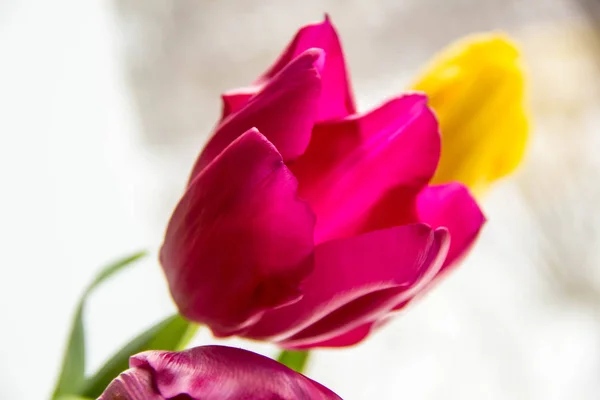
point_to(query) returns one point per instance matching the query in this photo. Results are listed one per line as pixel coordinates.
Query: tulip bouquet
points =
(308, 224)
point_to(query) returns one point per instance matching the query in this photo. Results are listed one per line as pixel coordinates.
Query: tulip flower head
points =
(305, 223)
(211, 373)
(476, 88)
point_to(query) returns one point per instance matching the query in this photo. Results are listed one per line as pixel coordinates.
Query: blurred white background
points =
(104, 106)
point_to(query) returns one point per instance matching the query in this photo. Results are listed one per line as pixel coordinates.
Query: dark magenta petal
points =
(372, 307)
(452, 206)
(351, 164)
(240, 241)
(355, 280)
(133, 384)
(347, 339)
(235, 100)
(213, 373)
(284, 110)
(336, 96)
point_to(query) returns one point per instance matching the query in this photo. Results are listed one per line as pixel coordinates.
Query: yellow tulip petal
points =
(476, 88)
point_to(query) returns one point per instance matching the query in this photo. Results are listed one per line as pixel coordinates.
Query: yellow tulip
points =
(476, 88)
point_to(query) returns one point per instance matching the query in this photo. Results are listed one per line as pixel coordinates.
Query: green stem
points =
(296, 360)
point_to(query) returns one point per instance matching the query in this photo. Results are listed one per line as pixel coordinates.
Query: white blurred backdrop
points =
(104, 106)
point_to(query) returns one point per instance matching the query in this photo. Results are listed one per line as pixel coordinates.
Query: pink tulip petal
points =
(396, 207)
(452, 206)
(235, 100)
(216, 373)
(355, 314)
(347, 339)
(374, 306)
(240, 241)
(354, 280)
(336, 97)
(352, 164)
(284, 111)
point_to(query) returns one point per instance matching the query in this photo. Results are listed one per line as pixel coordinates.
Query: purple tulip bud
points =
(211, 373)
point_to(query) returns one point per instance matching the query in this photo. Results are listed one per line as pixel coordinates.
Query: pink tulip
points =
(211, 373)
(305, 223)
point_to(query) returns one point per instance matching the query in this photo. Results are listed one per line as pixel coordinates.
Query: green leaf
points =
(73, 365)
(295, 360)
(172, 334)
(72, 373)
